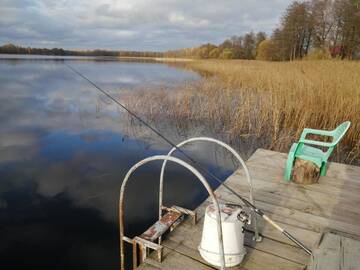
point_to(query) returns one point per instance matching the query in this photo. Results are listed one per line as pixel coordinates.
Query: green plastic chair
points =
(303, 150)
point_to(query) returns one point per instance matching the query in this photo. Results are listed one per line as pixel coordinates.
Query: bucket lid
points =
(228, 214)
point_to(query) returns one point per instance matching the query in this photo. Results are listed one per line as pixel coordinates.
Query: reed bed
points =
(270, 101)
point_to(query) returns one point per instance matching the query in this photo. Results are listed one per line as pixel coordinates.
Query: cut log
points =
(305, 172)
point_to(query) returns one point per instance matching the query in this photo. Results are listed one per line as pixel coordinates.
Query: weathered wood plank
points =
(276, 172)
(351, 256)
(305, 201)
(319, 205)
(328, 255)
(336, 252)
(148, 266)
(348, 199)
(304, 210)
(344, 193)
(263, 259)
(342, 172)
(176, 261)
(296, 217)
(177, 257)
(275, 178)
(190, 237)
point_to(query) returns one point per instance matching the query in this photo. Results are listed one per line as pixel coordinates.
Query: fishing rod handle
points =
(275, 225)
(288, 235)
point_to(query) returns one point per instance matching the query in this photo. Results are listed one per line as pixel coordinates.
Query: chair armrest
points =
(312, 142)
(307, 131)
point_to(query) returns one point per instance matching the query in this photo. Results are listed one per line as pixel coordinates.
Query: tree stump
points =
(305, 172)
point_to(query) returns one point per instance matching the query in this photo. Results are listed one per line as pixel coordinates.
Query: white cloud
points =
(133, 24)
(181, 20)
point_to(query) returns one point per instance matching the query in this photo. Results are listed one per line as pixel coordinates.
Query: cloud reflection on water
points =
(64, 151)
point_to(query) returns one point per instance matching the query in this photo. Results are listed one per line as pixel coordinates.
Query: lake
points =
(64, 150)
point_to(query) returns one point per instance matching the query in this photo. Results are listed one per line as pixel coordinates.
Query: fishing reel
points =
(244, 217)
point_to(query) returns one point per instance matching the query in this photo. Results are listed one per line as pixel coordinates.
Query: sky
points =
(155, 25)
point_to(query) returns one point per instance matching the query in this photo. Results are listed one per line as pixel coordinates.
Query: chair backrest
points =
(340, 131)
(337, 134)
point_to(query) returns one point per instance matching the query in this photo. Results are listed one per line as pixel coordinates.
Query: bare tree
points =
(322, 20)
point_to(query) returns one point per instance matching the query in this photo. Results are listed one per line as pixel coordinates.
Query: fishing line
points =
(194, 162)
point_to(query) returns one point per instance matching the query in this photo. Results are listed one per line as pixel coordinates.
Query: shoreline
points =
(76, 57)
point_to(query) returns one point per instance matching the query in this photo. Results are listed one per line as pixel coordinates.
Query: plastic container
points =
(233, 237)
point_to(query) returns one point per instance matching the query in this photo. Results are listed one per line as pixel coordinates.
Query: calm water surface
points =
(64, 150)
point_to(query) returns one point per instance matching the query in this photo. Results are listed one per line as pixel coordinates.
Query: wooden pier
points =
(325, 216)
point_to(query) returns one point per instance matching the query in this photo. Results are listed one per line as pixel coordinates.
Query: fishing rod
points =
(195, 163)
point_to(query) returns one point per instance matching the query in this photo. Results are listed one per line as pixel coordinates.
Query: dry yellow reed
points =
(270, 100)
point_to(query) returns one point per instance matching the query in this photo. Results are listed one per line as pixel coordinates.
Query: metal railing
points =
(200, 178)
(233, 152)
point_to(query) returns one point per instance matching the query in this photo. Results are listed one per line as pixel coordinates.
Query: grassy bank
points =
(269, 101)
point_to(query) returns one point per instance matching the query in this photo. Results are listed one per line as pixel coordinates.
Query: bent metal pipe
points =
(200, 178)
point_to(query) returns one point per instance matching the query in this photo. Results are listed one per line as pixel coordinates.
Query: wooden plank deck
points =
(336, 252)
(305, 211)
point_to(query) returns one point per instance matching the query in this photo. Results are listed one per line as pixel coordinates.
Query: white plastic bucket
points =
(233, 237)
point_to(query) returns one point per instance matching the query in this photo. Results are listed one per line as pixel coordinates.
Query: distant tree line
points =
(314, 29)
(13, 49)
(237, 47)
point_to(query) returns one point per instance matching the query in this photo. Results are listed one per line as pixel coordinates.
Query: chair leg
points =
(290, 162)
(323, 169)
